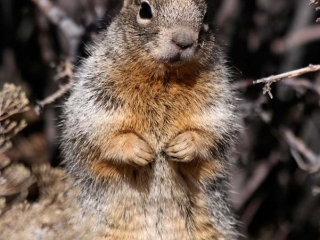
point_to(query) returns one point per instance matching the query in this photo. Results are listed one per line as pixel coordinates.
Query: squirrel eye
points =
(145, 11)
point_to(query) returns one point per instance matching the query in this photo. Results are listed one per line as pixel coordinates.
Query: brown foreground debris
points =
(54, 216)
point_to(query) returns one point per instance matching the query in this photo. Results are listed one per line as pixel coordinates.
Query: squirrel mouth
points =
(177, 58)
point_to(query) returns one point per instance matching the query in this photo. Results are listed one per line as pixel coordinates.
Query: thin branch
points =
(50, 99)
(66, 73)
(315, 2)
(296, 39)
(311, 161)
(259, 175)
(69, 28)
(312, 2)
(301, 85)
(241, 84)
(276, 78)
(291, 74)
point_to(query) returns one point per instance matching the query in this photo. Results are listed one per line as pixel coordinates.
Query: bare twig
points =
(296, 38)
(69, 28)
(311, 161)
(67, 73)
(241, 84)
(291, 74)
(276, 78)
(313, 2)
(301, 85)
(259, 175)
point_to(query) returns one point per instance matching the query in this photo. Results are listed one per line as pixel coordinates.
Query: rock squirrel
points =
(149, 125)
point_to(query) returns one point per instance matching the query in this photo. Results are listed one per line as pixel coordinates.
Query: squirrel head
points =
(170, 33)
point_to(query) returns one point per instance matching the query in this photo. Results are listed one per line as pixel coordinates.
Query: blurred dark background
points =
(276, 177)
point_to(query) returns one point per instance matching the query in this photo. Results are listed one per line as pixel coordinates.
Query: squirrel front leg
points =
(128, 148)
(188, 145)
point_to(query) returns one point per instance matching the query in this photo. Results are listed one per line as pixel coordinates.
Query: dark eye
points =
(145, 11)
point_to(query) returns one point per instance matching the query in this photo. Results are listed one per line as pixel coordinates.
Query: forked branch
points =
(276, 78)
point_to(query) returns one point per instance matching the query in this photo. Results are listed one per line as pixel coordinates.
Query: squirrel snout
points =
(183, 40)
(176, 46)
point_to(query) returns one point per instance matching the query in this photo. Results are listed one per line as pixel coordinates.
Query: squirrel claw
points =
(139, 153)
(130, 149)
(182, 148)
(141, 156)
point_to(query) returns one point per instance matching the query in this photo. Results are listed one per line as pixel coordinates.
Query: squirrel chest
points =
(165, 199)
(157, 110)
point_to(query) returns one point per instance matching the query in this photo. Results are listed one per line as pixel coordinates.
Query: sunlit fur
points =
(126, 95)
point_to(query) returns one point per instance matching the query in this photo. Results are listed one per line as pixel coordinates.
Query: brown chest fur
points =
(166, 199)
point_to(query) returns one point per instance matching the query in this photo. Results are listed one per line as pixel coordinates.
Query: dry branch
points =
(69, 28)
(258, 176)
(296, 39)
(301, 85)
(315, 2)
(276, 78)
(311, 161)
(66, 73)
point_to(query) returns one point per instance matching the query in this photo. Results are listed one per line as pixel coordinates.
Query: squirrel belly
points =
(159, 204)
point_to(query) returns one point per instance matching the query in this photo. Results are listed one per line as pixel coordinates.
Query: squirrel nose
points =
(183, 40)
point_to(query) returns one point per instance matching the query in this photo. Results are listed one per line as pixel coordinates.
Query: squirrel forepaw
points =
(129, 148)
(138, 152)
(182, 148)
